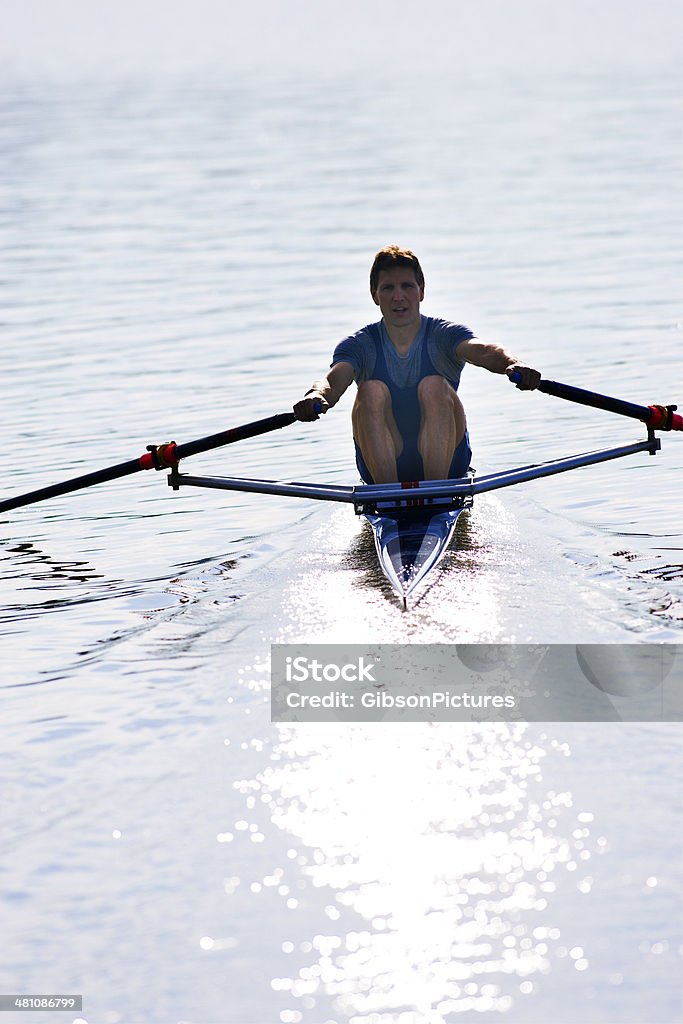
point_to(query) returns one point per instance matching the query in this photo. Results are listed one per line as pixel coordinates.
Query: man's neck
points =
(403, 337)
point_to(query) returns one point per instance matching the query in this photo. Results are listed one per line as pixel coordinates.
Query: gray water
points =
(181, 255)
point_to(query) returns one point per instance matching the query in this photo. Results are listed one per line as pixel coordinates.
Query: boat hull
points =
(410, 543)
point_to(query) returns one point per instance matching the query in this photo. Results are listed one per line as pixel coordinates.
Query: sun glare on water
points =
(441, 852)
(340, 595)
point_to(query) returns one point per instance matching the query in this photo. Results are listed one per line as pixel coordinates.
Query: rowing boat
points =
(412, 523)
(410, 543)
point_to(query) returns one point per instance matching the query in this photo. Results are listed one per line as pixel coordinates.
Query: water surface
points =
(182, 255)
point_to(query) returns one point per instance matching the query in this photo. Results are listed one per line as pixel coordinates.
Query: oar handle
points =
(659, 417)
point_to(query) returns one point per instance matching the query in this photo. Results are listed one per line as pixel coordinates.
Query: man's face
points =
(398, 295)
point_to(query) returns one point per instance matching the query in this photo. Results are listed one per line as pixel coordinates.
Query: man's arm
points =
(497, 360)
(324, 393)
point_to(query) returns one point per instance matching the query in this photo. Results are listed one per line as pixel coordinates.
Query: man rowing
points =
(408, 421)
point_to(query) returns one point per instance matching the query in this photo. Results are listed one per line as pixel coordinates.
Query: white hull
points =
(410, 544)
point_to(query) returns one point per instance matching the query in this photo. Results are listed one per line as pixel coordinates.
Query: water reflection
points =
(34, 564)
(447, 847)
(99, 613)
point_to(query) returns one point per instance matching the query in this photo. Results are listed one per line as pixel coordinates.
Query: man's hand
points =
(310, 407)
(530, 378)
(324, 393)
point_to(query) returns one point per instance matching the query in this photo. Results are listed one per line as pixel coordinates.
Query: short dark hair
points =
(393, 256)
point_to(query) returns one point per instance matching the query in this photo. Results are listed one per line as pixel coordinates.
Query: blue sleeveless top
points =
(373, 357)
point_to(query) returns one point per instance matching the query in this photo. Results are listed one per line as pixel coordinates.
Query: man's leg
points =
(375, 431)
(443, 426)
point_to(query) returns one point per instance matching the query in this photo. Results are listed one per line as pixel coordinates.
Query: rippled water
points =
(181, 256)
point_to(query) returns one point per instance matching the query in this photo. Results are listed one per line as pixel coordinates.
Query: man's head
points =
(391, 257)
(397, 287)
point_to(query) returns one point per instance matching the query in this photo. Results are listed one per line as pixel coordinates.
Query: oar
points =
(659, 417)
(164, 456)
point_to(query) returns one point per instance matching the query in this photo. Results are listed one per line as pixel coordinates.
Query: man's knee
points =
(435, 392)
(373, 396)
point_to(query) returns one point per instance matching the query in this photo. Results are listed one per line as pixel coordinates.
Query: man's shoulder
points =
(445, 337)
(358, 349)
(369, 331)
(441, 326)
(363, 336)
(449, 334)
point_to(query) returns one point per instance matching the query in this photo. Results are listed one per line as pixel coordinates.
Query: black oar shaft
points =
(76, 483)
(658, 417)
(205, 444)
(596, 401)
(171, 455)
